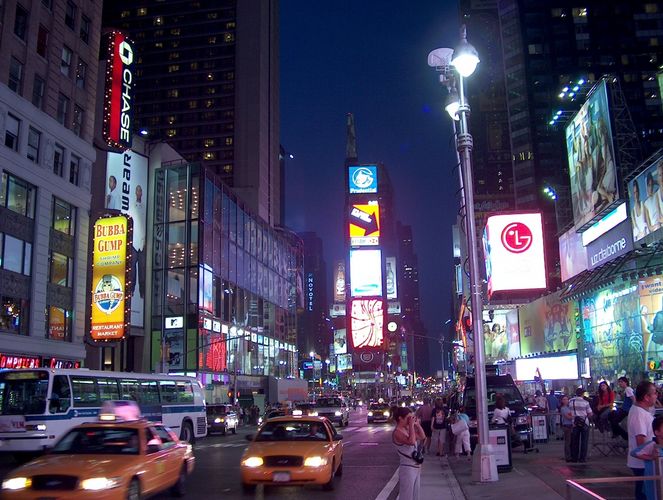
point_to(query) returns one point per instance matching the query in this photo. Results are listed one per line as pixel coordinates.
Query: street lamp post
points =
(465, 60)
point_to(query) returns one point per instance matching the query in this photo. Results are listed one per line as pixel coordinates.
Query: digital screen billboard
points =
(119, 90)
(126, 191)
(344, 362)
(550, 368)
(392, 282)
(547, 325)
(650, 291)
(513, 252)
(363, 179)
(340, 341)
(495, 335)
(645, 193)
(109, 276)
(365, 273)
(572, 254)
(367, 320)
(591, 157)
(364, 222)
(339, 282)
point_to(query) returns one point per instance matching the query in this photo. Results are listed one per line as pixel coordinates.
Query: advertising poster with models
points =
(650, 291)
(547, 325)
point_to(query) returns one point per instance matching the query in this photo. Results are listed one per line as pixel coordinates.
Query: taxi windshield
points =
(99, 441)
(379, 406)
(23, 392)
(295, 430)
(328, 402)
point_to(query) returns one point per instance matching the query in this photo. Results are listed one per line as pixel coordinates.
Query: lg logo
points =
(516, 237)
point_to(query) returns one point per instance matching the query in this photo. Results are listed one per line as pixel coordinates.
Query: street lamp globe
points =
(466, 57)
(327, 361)
(452, 104)
(312, 354)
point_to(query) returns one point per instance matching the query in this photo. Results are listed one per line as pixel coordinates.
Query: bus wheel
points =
(187, 433)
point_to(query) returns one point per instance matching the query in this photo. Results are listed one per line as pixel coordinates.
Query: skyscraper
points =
(210, 87)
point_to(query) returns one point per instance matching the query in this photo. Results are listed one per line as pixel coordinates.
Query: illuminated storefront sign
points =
(109, 278)
(367, 323)
(364, 221)
(365, 273)
(363, 179)
(513, 252)
(119, 90)
(13, 361)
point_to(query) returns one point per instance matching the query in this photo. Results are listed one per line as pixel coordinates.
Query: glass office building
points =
(225, 285)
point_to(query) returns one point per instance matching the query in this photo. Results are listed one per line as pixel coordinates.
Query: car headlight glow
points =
(370, 413)
(315, 462)
(100, 483)
(253, 462)
(386, 413)
(217, 420)
(338, 413)
(16, 483)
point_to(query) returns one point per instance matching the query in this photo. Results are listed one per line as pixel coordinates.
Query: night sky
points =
(370, 58)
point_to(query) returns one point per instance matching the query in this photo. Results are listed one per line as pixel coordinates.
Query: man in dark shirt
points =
(425, 416)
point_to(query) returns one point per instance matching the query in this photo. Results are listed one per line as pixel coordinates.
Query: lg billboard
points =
(513, 252)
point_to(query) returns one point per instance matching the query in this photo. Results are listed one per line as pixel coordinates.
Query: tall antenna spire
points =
(351, 140)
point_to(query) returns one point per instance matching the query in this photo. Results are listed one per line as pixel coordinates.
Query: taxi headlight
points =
(386, 413)
(315, 462)
(370, 413)
(16, 483)
(252, 462)
(100, 483)
(338, 413)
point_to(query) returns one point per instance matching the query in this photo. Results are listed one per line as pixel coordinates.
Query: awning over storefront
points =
(638, 263)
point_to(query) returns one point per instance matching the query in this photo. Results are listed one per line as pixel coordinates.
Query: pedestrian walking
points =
(425, 415)
(439, 434)
(566, 415)
(461, 433)
(405, 437)
(553, 417)
(640, 430)
(580, 433)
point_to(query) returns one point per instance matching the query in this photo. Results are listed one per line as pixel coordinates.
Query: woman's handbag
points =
(578, 422)
(458, 427)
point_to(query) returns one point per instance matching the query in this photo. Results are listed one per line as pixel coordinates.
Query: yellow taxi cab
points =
(293, 450)
(112, 458)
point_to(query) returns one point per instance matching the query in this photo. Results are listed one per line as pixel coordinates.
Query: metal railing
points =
(576, 485)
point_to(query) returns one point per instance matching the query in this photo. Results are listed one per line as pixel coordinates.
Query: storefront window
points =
(195, 193)
(61, 270)
(14, 315)
(176, 244)
(17, 255)
(175, 293)
(58, 324)
(193, 244)
(63, 216)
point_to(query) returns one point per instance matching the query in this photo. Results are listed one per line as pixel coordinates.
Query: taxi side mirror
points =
(153, 448)
(338, 437)
(249, 437)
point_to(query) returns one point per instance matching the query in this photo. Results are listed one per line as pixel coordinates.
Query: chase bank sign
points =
(363, 179)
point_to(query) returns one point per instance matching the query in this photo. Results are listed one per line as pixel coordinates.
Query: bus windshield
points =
(23, 392)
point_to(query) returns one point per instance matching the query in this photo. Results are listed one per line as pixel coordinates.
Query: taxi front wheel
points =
(179, 488)
(133, 491)
(329, 485)
(248, 488)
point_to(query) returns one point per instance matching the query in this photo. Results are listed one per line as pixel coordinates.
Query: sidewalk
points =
(438, 480)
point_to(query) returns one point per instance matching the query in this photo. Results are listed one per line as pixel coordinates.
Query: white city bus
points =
(37, 406)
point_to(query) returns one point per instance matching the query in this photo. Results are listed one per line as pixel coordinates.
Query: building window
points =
(70, 14)
(17, 195)
(228, 37)
(61, 270)
(21, 22)
(81, 73)
(14, 314)
(65, 61)
(17, 255)
(48, 4)
(15, 75)
(12, 131)
(85, 29)
(142, 11)
(34, 138)
(63, 109)
(42, 41)
(58, 324)
(74, 167)
(79, 118)
(58, 160)
(38, 88)
(64, 216)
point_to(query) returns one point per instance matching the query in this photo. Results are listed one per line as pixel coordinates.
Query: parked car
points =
(221, 418)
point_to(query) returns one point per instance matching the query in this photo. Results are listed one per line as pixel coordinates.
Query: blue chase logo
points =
(108, 294)
(363, 179)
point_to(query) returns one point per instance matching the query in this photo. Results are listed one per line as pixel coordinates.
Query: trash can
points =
(500, 439)
(539, 427)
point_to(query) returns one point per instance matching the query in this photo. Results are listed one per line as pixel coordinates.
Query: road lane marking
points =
(369, 444)
(389, 487)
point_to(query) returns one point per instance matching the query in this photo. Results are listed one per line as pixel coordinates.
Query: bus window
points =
(85, 391)
(168, 391)
(184, 392)
(129, 390)
(60, 395)
(108, 389)
(149, 392)
(23, 393)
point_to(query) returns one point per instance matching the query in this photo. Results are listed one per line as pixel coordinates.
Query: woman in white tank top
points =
(405, 437)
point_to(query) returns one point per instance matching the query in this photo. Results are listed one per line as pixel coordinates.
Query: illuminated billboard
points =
(126, 191)
(547, 325)
(650, 291)
(591, 157)
(495, 335)
(367, 320)
(645, 193)
(513, 252)
(109, 277)
(339, 282)
(118, 90)
(364, 222)
(365, 273)
(363, 179)
(340, 341)
(572, 254)
(550, 368)
(392, 284)
(344, 362)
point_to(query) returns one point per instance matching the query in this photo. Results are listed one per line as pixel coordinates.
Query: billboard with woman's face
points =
(591, 157)
(645, 195)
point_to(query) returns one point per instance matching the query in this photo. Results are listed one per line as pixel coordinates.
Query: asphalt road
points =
(369, 462)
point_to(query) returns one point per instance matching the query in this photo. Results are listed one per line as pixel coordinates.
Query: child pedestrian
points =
(650, 452)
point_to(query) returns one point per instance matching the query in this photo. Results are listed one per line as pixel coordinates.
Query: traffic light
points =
(230, 395)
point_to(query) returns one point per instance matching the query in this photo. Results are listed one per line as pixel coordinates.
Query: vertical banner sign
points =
(392, 286)
(310, 291)
(126, 190)
(339, 282)
(118, 91)
(109, 278)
